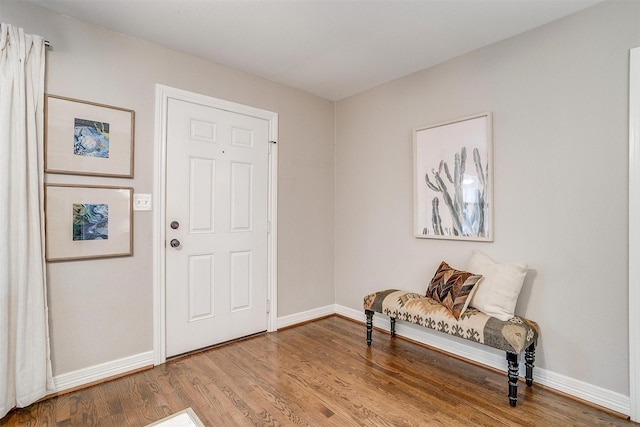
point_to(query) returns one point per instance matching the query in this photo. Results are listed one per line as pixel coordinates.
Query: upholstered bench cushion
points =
(512, 336)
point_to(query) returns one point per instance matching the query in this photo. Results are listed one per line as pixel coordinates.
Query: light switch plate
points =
(141, 202)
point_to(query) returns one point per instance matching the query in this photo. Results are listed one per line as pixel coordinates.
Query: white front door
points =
(216, 225)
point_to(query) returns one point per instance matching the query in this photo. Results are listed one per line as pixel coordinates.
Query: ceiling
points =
(333, 49)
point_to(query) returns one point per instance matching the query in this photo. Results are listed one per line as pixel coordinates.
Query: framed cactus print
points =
(86, 138)
(84, 222)
(453, 179)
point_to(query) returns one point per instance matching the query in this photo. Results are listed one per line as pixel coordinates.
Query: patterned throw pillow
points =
(452, 288)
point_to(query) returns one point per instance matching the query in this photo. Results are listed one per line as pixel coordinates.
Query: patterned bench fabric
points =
(512, 335)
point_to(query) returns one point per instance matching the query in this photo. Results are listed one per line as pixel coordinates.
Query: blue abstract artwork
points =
(90, 221)
(91, 138)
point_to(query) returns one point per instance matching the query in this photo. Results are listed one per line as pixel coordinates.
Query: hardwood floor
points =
(317, 374)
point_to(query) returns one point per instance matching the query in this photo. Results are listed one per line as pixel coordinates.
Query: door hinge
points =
(269, 146)
(268, 306)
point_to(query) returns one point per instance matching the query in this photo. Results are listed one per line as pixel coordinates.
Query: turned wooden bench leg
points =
(369, 315)
(529, 358)
(512, 374)
(513, 371)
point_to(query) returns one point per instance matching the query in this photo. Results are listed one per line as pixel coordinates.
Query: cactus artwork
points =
(453, 180)
(464, 196)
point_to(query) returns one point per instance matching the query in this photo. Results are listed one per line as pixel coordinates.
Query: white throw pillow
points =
(497, 292)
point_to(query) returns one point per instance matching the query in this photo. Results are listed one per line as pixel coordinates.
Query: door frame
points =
(163, 94)
(634, 233)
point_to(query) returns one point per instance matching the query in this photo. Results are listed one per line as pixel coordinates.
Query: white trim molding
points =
(634, 233)
(306, 316)
(588, 392)
(102, 371)
(163, 94)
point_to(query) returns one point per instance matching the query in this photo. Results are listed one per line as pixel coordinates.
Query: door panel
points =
(241, 179)
(202, 186)
(240, 280)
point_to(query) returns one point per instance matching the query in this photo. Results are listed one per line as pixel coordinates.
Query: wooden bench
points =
(512, 336)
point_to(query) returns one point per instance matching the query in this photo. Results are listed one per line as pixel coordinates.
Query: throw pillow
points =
(498, 291)
(452, 288)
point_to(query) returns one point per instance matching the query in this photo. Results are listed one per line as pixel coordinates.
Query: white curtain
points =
(25, 368)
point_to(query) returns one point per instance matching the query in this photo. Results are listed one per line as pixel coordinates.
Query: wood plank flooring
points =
(317, 374)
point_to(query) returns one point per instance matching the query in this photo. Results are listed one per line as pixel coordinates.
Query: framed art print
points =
(83, 222)
(85, 138)
(453, 184)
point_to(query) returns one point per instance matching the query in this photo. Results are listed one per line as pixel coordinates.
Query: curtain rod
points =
(47, 44)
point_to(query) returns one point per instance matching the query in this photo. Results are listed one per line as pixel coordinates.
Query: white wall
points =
(101, 310)
(559, 97)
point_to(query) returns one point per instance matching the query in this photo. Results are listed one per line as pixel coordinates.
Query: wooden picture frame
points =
(453, 179)
(84, 222)
(86, 138)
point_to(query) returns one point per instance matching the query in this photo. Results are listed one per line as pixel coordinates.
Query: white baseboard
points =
(600, 396)
(496, 359)
(102, 371)
(306, 316)
(105, 370)
(480, 354)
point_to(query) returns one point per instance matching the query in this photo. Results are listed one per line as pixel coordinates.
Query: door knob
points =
(174, 225)
(174, 243)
